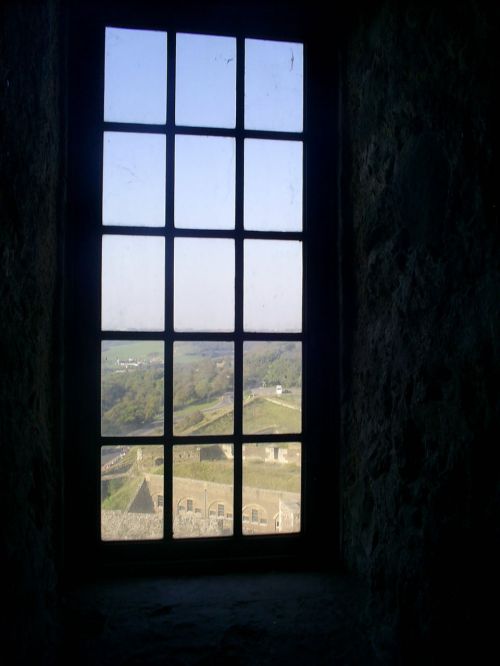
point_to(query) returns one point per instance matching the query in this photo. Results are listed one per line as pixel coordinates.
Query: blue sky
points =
(134, 182)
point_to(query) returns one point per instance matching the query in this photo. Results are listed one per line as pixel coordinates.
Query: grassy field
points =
(196, 407)
(122, 492)
(215, 423)
(294, 399)
(256, 474)
(113, 350)
(181, 420)
(184, 352)
(262, 416)
(214, 471)
(193, 352)
(259, 416)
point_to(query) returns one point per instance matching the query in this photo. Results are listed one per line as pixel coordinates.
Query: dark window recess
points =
(200, 298)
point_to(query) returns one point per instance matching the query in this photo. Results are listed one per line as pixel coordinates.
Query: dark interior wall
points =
(421, 356)
(420, 484)
(30, 189)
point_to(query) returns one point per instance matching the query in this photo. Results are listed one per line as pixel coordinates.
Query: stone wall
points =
(30, 195)
(421, 257)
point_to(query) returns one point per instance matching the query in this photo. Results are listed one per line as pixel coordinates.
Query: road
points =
(111, 455)
(148, 429)
(226, 400)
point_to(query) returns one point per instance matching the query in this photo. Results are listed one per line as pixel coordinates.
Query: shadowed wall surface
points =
(420, 486)
(30, 141)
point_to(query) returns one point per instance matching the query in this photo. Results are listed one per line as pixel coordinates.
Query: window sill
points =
(233, 618)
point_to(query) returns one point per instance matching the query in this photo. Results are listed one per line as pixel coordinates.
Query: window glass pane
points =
(135, 89)
(272, 387)
(133, 179)
(132, 492)
(132, 380)
(203, 401)
(273, 185)
(272, 290)
(273, 85)
(271, 488)
(203, 284)
(202, 490)
(205, 81)
(204, 182)
(133, 283)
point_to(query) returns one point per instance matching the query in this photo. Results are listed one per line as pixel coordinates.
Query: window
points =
(214, 286)
(200, 299)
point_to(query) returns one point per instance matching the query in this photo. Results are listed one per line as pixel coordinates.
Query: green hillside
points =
(260, 415)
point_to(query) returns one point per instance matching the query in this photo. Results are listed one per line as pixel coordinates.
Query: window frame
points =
(321, 404)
